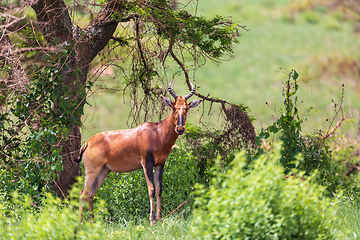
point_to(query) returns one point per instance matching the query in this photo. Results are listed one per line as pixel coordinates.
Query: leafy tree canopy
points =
(47, 49)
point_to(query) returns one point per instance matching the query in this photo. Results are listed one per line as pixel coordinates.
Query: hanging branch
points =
(238, 129)
(138, 42)
(186, 74)
(205, 98)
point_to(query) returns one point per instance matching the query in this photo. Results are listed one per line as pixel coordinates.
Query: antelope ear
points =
(167, 101)
(194, 103)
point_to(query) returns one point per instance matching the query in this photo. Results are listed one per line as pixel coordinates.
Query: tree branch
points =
(5, 54)
(103, 26)
(137, 36)
(18, 78)
(54, 18)
(206, 98)
(353, 169)
(12, 24)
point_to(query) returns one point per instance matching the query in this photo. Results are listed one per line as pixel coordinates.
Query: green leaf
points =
(273, 129)
(295, 111)
(51, 138)
(295, 75)
(59, 168)
(264, 135)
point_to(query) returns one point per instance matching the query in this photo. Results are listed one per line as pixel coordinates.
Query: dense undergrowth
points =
(291, 186)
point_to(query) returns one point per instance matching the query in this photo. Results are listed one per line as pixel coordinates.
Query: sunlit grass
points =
(263, 58)
(349, 220)
(173, 227)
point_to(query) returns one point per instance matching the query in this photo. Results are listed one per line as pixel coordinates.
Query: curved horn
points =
(191, 93)
(171, 91)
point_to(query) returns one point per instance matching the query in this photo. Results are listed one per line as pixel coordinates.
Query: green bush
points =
(127, 197)
(288, 127)
(311, 16)
(261, 204)
(317, 154)
(343, 158)
(52, 219)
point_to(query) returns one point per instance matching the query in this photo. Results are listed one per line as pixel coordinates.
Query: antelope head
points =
(180, 107)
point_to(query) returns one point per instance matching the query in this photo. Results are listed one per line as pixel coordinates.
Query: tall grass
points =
(55, 219)
(349, 220)
(173, 227)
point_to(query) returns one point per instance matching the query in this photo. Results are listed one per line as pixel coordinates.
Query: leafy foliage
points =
(262, 204)
(339, 178)
(127, 197)
(314, 148)
(35, 120)
(214, 37)
(316, 153)
(53, 219)
(206, 144)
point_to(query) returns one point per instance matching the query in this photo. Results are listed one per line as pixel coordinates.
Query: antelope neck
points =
(167, 127)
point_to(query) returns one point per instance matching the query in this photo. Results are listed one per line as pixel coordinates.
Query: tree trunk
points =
(55, 23)
(71, 170)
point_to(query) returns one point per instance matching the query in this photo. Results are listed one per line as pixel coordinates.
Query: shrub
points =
(344, 176)
(315, 148)
(33, 129)
(52, 219)
(289, 128)
(311, 17)
(262, 204)
(127, 197)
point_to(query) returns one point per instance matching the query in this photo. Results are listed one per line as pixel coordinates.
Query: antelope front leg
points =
(158, 186)
(149, 176)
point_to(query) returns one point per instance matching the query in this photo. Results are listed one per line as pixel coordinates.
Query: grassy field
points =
(270, 49)
(275, 43)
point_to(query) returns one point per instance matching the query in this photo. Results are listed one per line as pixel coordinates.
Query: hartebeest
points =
(145, 146)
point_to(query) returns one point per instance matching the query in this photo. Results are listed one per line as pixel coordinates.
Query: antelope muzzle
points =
(180, 128)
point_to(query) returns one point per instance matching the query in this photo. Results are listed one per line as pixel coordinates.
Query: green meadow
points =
(317, 44)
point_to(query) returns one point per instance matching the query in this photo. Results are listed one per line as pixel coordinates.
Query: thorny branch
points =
(186, 74)
(13, 23)
(341, 121)
(237, 121)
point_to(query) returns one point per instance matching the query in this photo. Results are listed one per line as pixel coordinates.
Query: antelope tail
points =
(82, 150)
